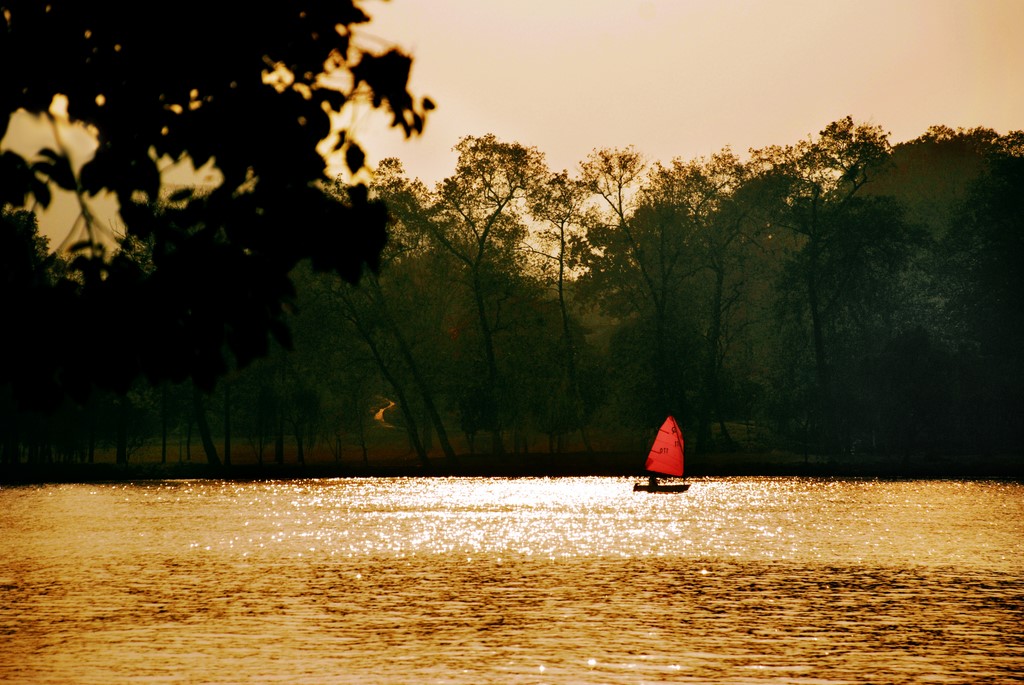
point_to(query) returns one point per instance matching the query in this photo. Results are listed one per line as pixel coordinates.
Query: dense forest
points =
(839, 295)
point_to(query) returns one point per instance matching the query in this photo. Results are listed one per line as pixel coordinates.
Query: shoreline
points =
(1003, 467)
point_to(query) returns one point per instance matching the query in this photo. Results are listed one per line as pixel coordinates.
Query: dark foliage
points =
(770, 305)
(251, 88)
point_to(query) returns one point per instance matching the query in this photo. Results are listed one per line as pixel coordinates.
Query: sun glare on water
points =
(467, 580)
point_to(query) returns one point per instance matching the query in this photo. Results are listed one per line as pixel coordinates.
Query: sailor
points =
(652, 481)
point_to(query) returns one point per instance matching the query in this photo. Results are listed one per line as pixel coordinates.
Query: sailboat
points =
(665, 458)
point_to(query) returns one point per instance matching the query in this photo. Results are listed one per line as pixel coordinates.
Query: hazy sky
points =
(684, 78)
(688, 77)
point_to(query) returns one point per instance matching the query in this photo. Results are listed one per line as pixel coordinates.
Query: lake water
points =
(575, 580)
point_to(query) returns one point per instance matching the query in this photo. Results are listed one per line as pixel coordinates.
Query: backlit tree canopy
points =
(254, 90)
(806, 298)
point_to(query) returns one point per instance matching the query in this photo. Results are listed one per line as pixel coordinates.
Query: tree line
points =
(845, 295)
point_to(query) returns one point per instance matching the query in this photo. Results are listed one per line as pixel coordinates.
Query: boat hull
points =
(641, 487)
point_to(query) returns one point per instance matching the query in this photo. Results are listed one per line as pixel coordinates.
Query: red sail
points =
(667, 452)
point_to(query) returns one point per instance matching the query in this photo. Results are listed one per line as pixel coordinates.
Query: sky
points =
(685, 78)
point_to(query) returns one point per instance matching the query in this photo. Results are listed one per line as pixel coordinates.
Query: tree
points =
(366, 311)
(931, 174)
(407, 265)
(638, 258)
(478, 222)
(983, 253)
(362, 317)
(559, 203)
(713, 200)
(255, 92)
(257, 405)
(846, 246)
(980, 262)
(27, 276)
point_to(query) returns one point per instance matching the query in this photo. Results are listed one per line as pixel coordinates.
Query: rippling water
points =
(474, 581)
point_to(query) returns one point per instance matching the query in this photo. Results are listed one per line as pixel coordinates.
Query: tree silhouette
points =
(479, 224)
(560, 206)
(409, 261)
(638, 261)
(820, 182)
(255, 91)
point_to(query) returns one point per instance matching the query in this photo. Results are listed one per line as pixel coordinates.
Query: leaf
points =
(79, 246)
(95, 172)
(335, 99)
(16, 179)
(57, 168)
(41, 191)
(182, 195)
(355, 158)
